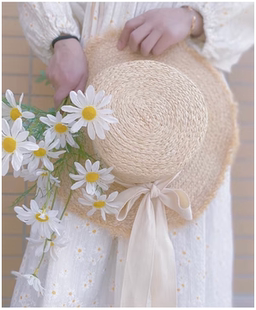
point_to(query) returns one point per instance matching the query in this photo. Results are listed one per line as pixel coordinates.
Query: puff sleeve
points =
(228, 31)
(42, 22)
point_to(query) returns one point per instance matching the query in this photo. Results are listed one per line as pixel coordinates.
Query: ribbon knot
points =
(150, 263)
(154, 190)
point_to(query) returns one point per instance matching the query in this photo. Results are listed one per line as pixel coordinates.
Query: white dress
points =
(90, 268)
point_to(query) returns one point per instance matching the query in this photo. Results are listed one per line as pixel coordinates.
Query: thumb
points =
(60, 94)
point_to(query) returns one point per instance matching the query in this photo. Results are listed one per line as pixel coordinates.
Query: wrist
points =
(65, 43)
(196, 22)
(63, 37)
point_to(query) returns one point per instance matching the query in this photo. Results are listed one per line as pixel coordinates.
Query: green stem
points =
(69, 197)
(54, 198)
(37, 268)
(48, 193)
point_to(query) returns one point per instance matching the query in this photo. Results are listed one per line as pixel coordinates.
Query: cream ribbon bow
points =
(150, 263)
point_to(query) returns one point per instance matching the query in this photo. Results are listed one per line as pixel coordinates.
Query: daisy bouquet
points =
(40, 146)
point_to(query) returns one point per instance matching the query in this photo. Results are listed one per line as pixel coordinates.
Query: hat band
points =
(150, 264)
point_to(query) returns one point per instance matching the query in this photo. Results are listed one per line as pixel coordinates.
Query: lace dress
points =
(90, 267)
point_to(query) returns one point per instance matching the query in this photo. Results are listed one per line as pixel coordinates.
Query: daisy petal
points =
(96, 166)
(16, 127)
(73, 97)
(99, 131)
(105, 111)
(56, 154)
(84, 202)
(77, 184)
(29, 146)
(91, 212)
(99, 96)
(88, 165)
(52, 118)
(34, 206)
(80, 169)
(90, 94)
(70, 109)
(22, 136)
(5, 127)
(46, 121)
(77, 126)
(109, 119)
(17, 160)
(10, 98)
(91, 131)
(21, 98)
(76, 177)
(112, 196)
(70, 118)
(5, 164)
(47, 163)
(33, 164)
(90, 188)
(103, 124)
(28, 114)
(103, 214)
(53, 144)
(82, 98)
(104, 102)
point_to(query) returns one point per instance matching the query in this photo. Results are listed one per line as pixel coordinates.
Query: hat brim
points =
(203, 175)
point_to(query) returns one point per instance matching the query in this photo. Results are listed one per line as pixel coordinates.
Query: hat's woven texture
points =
(162, 120)
(196, 132)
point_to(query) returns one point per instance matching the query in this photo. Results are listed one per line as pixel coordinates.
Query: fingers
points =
(61, 93)
(82, 84)
(149, 42)
(163, 43)
(131, 25)
(138, 35)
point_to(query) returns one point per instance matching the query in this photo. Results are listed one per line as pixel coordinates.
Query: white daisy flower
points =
(43, 177)
(14, 112)
(103, 203)
(52, 245)
(32, 280)
(42, 154)
(59, 130)
(42, 221)
(89, 112)
(14, 145)
(25, 174)
(92, 176)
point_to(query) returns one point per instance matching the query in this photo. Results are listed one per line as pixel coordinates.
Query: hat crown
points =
(162, 120)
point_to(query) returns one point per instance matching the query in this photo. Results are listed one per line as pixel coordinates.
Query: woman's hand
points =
(67, 69)
(157, 29)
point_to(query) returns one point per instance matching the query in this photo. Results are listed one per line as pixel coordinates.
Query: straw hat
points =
(176, 115)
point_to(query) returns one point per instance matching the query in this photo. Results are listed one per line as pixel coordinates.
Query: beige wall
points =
(20, 69)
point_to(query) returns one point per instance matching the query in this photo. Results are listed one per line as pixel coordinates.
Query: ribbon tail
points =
(163, 287)
(140, 257)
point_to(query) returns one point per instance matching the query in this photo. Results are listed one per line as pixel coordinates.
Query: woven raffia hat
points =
(176, 115)
(176, 135)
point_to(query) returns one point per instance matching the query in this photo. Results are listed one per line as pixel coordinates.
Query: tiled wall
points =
(20, 69)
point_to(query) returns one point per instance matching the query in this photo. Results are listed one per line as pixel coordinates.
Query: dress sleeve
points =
(228, 31)
(42, 22)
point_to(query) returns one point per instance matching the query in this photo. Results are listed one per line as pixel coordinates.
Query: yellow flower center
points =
(9, 144)
(89, 113)
(45, 174)
(40, 153)
(99, 204)
(52, 243)
(45, 219)
(15, 113)
(60, 128)
(92, 177)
